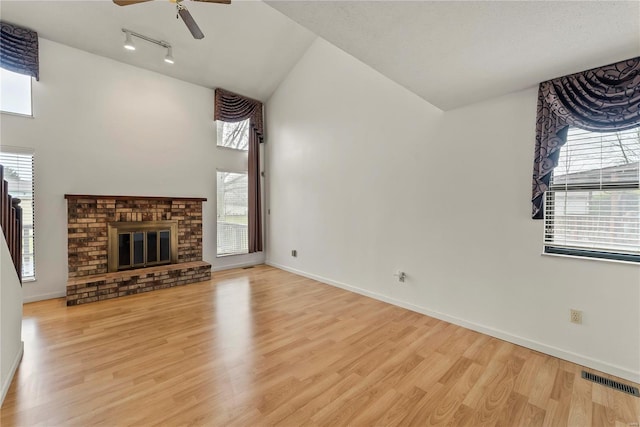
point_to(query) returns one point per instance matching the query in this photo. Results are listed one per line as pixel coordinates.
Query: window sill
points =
(236, 150)
(26, 116)
(228, 255)
(584, 258)
(29, 280)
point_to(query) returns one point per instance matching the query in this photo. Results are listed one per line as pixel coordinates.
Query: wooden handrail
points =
(11, 221)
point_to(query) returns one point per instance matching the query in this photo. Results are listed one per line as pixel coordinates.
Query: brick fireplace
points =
(89, 220)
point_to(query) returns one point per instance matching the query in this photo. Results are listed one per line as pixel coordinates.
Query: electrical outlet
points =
(294, 253)
(576, 316)
(401, 275)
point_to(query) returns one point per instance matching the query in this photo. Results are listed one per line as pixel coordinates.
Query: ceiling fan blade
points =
(215, 1)
(191, 24)
(128, 2)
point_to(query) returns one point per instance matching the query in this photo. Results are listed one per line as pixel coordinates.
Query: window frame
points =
(14, 113)
(241, 172)
(20, 151)
(602, 254)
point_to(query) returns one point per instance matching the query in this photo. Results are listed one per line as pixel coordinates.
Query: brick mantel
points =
(157, 198)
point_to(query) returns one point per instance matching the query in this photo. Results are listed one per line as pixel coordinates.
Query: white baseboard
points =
(589, 362)
(43, 297)
(12, 372)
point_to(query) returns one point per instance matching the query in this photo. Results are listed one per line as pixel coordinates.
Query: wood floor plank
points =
(265, 347)
(512, 411)
(401, 407)
(532, 416)
(376, 410)
(543, 382)
(497, 392)
(313, 387)
(557, 414)
(304, 414)
(524, 382)
(603, 416)
(581, 411)
(441, 406)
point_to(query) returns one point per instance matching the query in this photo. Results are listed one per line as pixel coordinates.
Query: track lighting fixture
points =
(128, 44)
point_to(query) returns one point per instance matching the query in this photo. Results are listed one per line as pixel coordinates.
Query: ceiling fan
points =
(182, 12)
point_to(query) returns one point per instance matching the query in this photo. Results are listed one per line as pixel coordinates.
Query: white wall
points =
(103, 127)
(10, 319)
(364, 179)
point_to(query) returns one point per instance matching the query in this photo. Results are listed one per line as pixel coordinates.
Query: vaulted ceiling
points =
(248, 47)
(454, 53)
(451, 53)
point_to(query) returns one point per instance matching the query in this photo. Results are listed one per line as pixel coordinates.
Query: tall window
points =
(233, 191)
(18, 172)
(233, 210)
(593, 206)
(15, 93)
(248, 116)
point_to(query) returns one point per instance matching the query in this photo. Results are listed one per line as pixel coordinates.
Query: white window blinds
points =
(18, 172)
(233, 213)
(598, 160)
(593, 207)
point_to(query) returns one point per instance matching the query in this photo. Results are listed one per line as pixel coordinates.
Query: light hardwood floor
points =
(262, 346)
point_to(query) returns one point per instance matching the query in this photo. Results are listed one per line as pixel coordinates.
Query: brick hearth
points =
(112, 285)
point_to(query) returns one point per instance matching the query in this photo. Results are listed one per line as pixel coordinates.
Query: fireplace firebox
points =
(141, 244)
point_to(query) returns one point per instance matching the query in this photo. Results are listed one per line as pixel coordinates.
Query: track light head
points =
(128, 42)
(169, 56)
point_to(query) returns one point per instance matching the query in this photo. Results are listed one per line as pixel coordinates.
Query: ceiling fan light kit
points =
(182, 13)
(128, 44)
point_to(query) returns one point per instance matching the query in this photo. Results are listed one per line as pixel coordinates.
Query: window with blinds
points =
(233, 213)
(593, 206)
(18, 172)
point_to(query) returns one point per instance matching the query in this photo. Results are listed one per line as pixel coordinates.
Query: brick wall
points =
(88, 216)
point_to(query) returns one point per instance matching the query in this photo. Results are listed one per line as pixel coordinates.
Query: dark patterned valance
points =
(19, 50)
(231, 107)
(604, 99)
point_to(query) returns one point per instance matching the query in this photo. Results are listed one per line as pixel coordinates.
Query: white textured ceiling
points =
(248, 47)
(451, 53)
(454, 53)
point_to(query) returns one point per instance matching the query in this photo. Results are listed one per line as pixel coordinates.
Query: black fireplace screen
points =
(143, 248)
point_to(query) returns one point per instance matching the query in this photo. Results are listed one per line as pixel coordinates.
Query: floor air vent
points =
(246, 268)
(610, 383)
